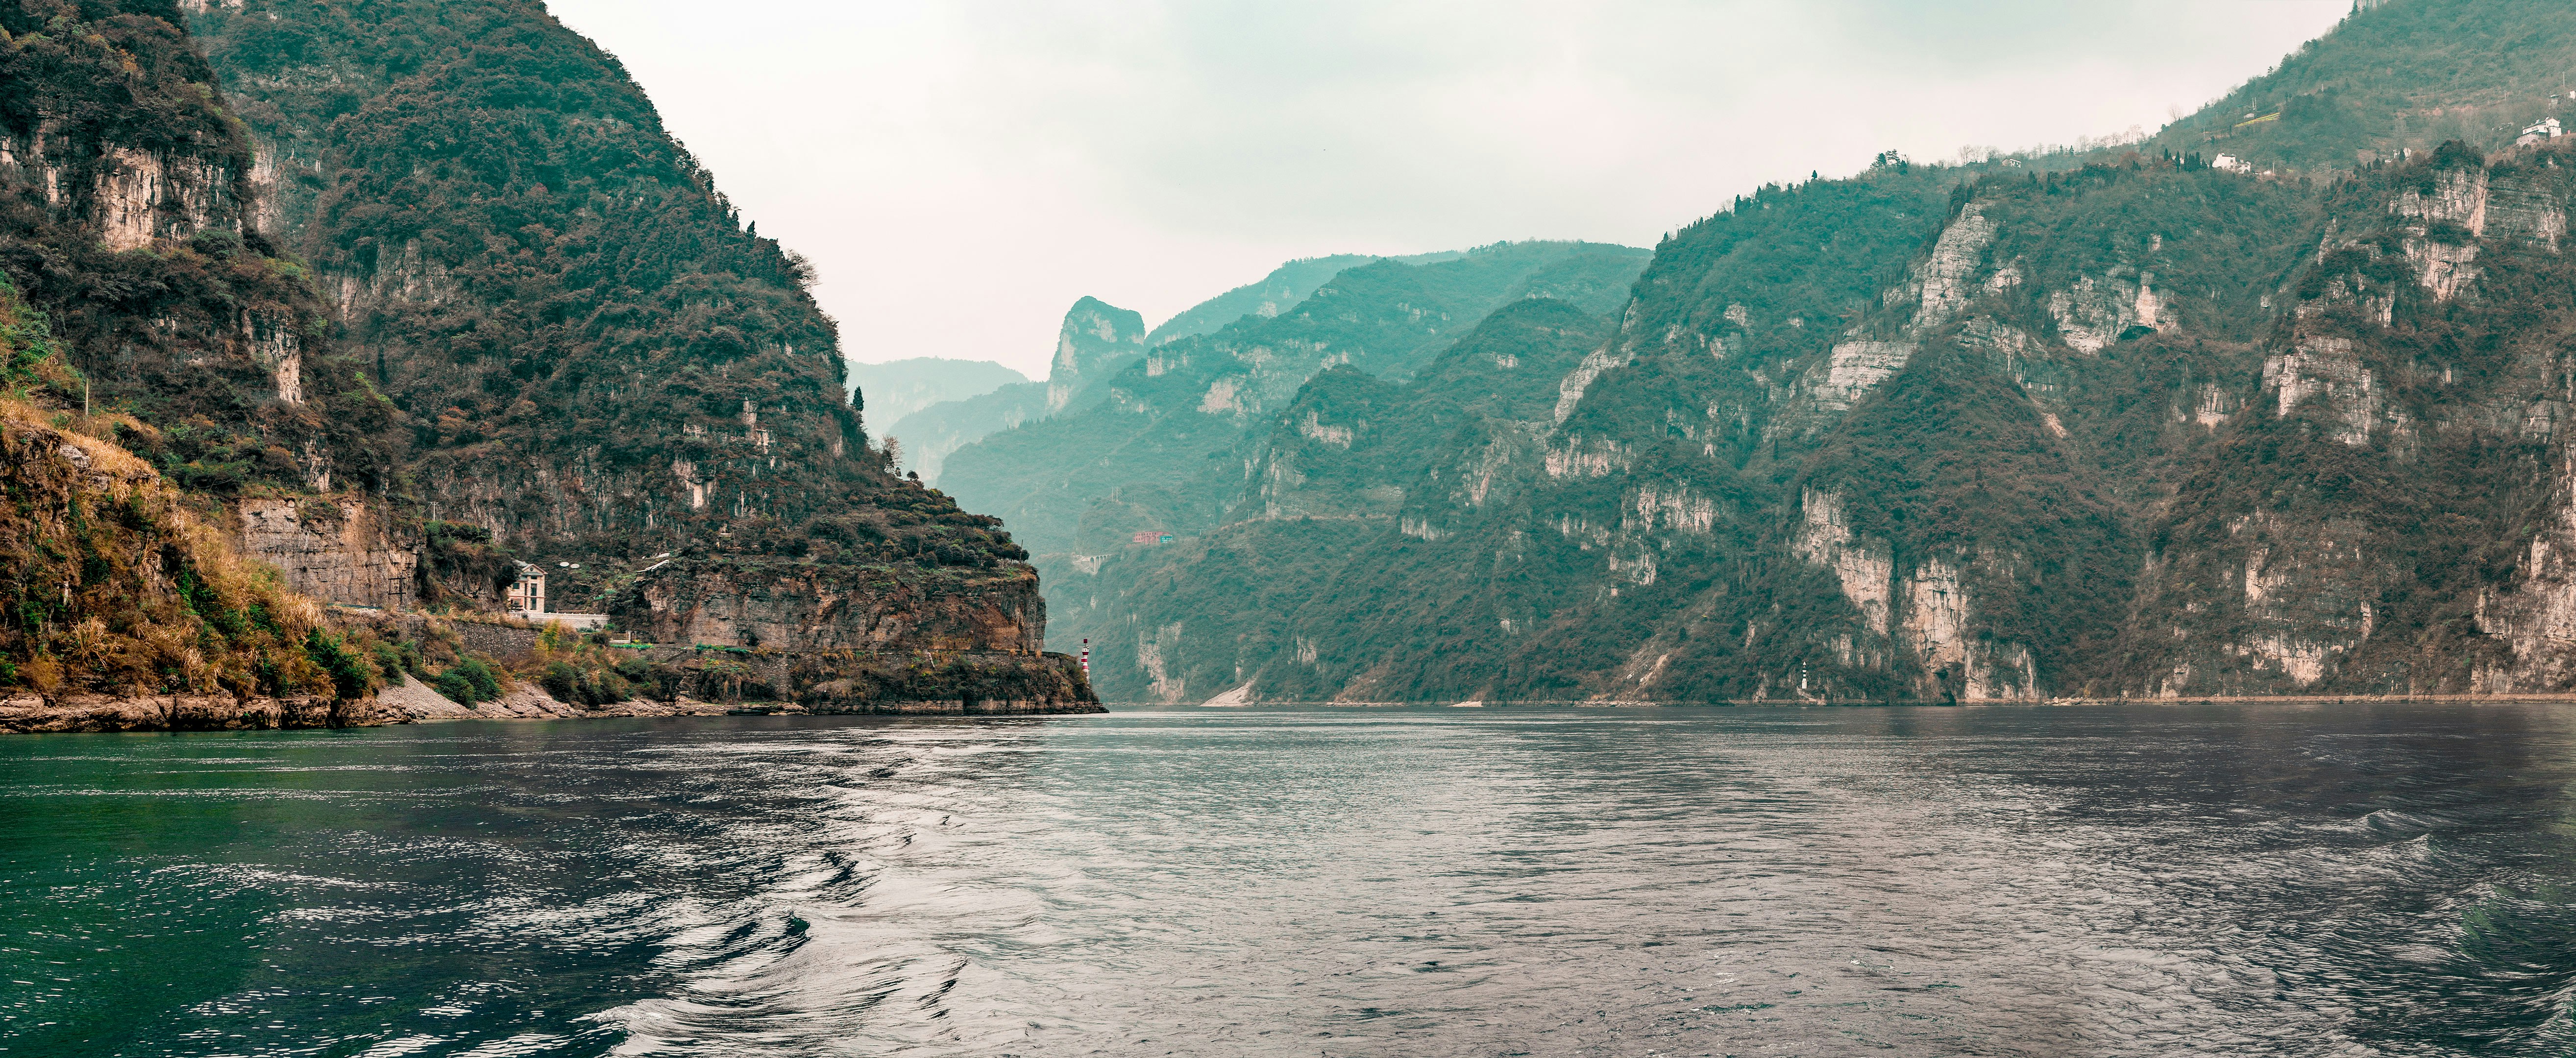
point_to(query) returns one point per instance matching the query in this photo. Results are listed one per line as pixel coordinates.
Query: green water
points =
(2393, 880)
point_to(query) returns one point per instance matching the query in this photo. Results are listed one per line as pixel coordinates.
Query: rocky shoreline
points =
(415, 702)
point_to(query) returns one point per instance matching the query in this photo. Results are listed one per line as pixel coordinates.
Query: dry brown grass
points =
(115, 586)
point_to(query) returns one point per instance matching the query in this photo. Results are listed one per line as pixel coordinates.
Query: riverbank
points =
(415, 702)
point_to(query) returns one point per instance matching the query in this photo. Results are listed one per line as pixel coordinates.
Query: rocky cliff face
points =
(837, 607)
(1096, 339)
(160, 358)
(124, 609)
(2387, 514)
(343, 551)
(124, 186)
(593, 355)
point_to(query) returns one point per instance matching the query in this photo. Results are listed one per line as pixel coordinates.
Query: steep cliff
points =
(545, 334)
(163, 358)
(124, 218)
(598, 363)
(342, 550)
(2386, 512)
(1337, 562)
(595, 358)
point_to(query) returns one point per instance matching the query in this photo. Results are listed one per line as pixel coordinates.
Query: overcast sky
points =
(961, 172)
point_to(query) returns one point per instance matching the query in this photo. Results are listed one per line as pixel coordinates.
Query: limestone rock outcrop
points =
(343, 550)
(799, 606)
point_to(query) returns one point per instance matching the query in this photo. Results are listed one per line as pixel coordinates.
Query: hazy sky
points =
(961, 172)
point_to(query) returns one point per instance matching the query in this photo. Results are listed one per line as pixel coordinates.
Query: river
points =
(1279, 881)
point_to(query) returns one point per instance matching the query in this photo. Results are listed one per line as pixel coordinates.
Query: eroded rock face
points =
(2458, 196)
(808, 607)
(143, 197)
(1095, 339)
(1941, 629)
(343, 551)
(1863, 568)
(136, 198)
(2535, 618)
(2521, 205)
(2095, 312)
(1931, 615)
(1943, 282)
(2325, 370)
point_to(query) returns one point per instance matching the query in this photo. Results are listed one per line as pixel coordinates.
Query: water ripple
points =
(2116, 881)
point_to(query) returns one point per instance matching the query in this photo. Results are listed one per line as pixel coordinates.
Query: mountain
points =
(128, 228)
(2402, 75)
(1095, 337)
(930, 434)
(165, 369)
(1277, 292)
(2124, 423)
(597, 361)
(1095, 340)
(1156, 449)
(421, 290)
(897, 388)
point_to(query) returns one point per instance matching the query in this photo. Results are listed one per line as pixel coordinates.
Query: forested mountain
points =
(1154, 445)
(387, 294)
(159, 356)
(1277, 292)
(896, 388)
(929, 434)
(592, 352)
(2120, 424)
(2409, 76)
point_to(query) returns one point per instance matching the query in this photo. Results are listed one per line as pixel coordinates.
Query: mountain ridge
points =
(2115, 424)
(425, 289)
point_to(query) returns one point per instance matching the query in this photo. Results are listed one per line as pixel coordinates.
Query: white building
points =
(528, 594)
(2547, 129)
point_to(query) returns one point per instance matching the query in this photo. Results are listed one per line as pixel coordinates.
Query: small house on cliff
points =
(528, 593)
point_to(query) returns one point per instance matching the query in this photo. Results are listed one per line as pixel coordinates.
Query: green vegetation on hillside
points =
(2120, 423)
(2405, 75)
(183, 336)
(115, 585)
(590, 350)
(1155, 452)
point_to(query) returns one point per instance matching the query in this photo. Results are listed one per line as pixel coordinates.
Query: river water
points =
(2063, 881)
